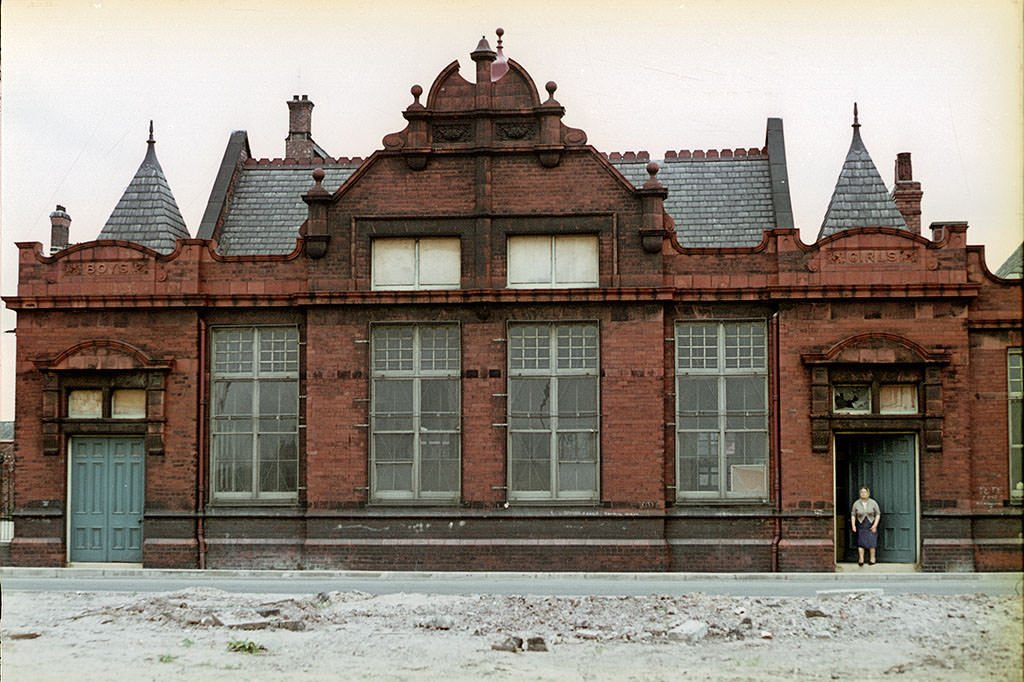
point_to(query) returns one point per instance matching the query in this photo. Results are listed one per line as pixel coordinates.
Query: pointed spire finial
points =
(150, 140)
(500, 66)
(856, 122)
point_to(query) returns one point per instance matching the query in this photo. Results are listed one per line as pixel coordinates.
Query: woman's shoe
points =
(872, 563)
(860, 563)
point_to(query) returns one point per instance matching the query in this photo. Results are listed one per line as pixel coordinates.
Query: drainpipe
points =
(201, 447)
(776, 441)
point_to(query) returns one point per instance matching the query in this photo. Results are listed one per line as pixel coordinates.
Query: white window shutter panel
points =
(576, 260)
(440, 263)
(529, 261)
(394, 263)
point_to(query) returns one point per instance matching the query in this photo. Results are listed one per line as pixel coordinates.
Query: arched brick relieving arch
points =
(103, 355)
(875, 348)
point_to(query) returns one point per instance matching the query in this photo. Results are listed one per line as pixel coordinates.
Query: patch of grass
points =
(187, 642)
(166, 658)
(242, 646)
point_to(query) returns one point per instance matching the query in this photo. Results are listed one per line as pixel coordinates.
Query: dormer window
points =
(552, 261)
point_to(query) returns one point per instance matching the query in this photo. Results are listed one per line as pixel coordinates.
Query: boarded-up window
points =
(85, 404)
(426, 263)
(552, 261)
(128, 404)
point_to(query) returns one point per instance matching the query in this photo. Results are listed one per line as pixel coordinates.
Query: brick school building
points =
(491, 346)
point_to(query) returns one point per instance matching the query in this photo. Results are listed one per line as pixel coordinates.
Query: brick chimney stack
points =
(60, 224)
(907, 193)
(299, 143)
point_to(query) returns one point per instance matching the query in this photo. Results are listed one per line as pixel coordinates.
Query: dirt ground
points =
(100, 637)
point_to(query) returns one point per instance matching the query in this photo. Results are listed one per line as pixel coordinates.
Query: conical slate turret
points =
(147, 213)
(860, 198)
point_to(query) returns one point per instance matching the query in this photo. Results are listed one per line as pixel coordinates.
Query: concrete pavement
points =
(111, 578)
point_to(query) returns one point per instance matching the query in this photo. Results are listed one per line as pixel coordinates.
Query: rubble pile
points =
(650, 619)
(939, 638)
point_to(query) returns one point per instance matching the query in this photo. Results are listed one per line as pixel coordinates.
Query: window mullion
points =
(554, 266)
(255, 454)
(416, 402)
(722, 428)
(720, 364)
(416, 415)
(416, 267)
(553, 383)
(553, 436)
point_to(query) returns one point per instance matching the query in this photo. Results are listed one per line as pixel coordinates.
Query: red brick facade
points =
(484, 161)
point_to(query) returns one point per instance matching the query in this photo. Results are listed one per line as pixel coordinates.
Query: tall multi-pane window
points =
(553, 417)
(1015, 395)
(255, 412)
(721, 409)
(414, 446)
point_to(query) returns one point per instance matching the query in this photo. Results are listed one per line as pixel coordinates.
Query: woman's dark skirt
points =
(865, 538)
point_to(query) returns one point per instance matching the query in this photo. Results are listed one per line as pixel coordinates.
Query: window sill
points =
(229, 507)
(589, 502)
(442, 503)
(697, 507)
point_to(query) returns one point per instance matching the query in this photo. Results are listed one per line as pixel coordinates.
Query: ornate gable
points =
(502, 113)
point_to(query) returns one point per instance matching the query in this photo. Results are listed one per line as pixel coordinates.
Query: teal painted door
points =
(885, 464)
(107, 494)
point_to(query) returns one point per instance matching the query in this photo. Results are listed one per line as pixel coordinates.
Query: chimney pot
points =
(907, 193)
(60, 224)
(904, 172)
(299, 143)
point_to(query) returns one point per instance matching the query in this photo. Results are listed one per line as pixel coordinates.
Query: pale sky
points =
(81, 80)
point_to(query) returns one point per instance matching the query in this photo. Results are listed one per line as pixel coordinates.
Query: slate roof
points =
(717, 199)
(860, 198)
(266, 207)
(147, 213)
(1013, 267)
(715, 202)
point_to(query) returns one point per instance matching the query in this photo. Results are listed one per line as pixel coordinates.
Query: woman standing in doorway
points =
(864, 519)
